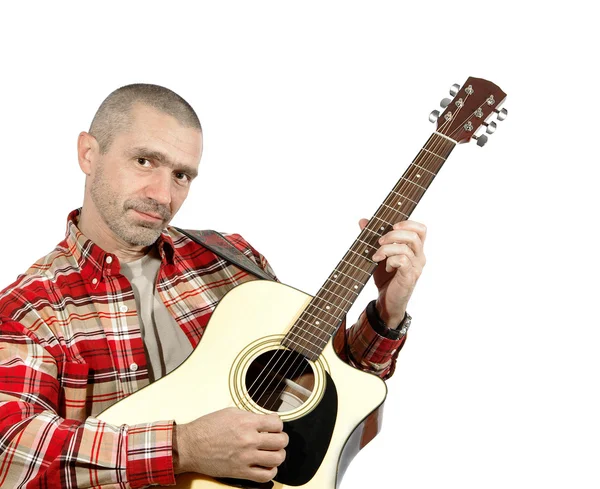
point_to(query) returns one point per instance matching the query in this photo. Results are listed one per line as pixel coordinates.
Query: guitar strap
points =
(218, 244)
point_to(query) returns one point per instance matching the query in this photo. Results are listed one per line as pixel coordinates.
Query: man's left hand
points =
(401, 261)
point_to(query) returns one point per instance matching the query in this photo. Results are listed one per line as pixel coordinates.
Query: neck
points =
(321, 318)
(93, 227)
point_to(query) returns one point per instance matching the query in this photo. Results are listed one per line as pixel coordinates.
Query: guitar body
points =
(326, 430)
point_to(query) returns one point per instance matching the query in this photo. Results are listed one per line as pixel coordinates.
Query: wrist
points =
(392, 321)
(178, 451)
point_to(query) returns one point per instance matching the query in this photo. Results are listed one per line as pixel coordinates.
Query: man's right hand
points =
(231, 443)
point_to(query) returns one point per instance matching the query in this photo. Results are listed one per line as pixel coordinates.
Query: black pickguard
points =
(309, 441)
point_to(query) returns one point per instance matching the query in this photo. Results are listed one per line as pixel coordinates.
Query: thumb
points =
(362, 223)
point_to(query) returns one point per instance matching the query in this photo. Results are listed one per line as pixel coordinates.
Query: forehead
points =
(161, 132)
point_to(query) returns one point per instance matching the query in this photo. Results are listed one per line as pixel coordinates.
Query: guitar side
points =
(249, 319)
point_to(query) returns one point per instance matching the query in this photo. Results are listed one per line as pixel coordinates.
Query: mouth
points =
(150, 217)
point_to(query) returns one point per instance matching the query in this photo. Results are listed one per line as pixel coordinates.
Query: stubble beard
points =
(115, 214)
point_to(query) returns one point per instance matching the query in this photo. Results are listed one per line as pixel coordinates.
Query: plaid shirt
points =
(71, 346)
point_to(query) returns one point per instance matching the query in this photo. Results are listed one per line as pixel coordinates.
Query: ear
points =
(88, 151)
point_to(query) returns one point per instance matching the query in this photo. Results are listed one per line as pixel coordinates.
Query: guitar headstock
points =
(473, 106)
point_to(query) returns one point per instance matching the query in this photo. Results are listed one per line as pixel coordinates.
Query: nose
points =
(159, 187)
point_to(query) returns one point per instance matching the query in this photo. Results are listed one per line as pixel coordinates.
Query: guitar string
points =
(301, 360)
(411, 174)
(430, 158)
(413, 171)
(302, 338)
(441, 129)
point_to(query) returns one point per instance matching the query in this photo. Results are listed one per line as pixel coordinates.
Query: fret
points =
(307, 340)
(404, 197)
(362, 256)
(365, 243)
(409, 181)
(324, 310)
(428, 171)
(358, 268)
(332, 292)
(343, 286)
(349, 276)
(318, 318)
(396, 210)
(373, 232)
(434, 154)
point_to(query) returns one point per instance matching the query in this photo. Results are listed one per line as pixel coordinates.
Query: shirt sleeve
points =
(40, 449)
(364, 348)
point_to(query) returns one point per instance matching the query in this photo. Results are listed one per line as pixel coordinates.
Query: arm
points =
(41, 448)
(374, 341)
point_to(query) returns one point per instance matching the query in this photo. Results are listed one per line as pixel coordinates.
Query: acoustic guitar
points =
(268, 347)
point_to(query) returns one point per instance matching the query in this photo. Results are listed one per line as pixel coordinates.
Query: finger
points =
(410, 238)
(261, 474)
(362, 223)
(269, 458)
(414, 226)
(270, 423)
(401, 263)
(388, 250)
(273, 441)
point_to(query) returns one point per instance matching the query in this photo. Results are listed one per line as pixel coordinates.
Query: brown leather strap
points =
(218, 244)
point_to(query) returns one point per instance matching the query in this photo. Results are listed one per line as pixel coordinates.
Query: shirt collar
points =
(95, 263)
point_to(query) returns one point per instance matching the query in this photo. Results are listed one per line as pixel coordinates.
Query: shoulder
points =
(184, 244)
(35, 283)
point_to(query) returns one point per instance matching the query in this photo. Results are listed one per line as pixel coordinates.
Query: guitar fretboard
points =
(321, 318)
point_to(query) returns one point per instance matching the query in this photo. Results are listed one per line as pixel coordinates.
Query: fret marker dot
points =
(400, 203)
(335, 276)
(356, 286)
(317, 322)
(327, 307)
(366, 251)
(381, 228)
(418, 176)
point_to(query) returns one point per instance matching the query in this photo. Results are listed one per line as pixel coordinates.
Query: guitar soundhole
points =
(280, 380)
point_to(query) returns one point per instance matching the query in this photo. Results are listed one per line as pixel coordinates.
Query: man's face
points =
(142, 181)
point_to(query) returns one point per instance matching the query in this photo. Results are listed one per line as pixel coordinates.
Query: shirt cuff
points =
(379, 326)
(150, 454)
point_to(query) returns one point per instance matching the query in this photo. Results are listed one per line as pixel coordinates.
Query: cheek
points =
(178, 196)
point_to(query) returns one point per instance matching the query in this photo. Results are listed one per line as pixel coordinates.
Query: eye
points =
(183, 177)
(143, 161)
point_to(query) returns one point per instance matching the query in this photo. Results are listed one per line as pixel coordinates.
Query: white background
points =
(311, 112)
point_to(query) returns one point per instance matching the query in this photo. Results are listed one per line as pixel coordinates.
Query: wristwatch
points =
(383, 329)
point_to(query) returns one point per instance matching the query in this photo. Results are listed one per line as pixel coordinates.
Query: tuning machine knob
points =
(445, 103)
(434, 116)
(481, 140)
(454, 89)
(491, 127)
(501, 114)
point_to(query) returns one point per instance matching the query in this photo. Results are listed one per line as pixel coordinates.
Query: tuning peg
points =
(481, 140)
(491, 127)
(445, 102)
(433, 117)
(501, 114)
(454, 89)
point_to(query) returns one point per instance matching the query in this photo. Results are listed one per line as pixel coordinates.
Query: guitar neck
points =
(322, 316)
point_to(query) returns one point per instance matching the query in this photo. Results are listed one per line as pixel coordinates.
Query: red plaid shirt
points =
(71, 346)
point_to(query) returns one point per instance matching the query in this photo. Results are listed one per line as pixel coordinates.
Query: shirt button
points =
(123, 308)
(94, 281)
(109, 259)
(133, 367)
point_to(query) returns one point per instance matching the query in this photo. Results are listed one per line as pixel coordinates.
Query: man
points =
(125, 298)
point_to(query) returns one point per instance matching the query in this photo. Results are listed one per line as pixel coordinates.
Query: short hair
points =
(114, 114)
